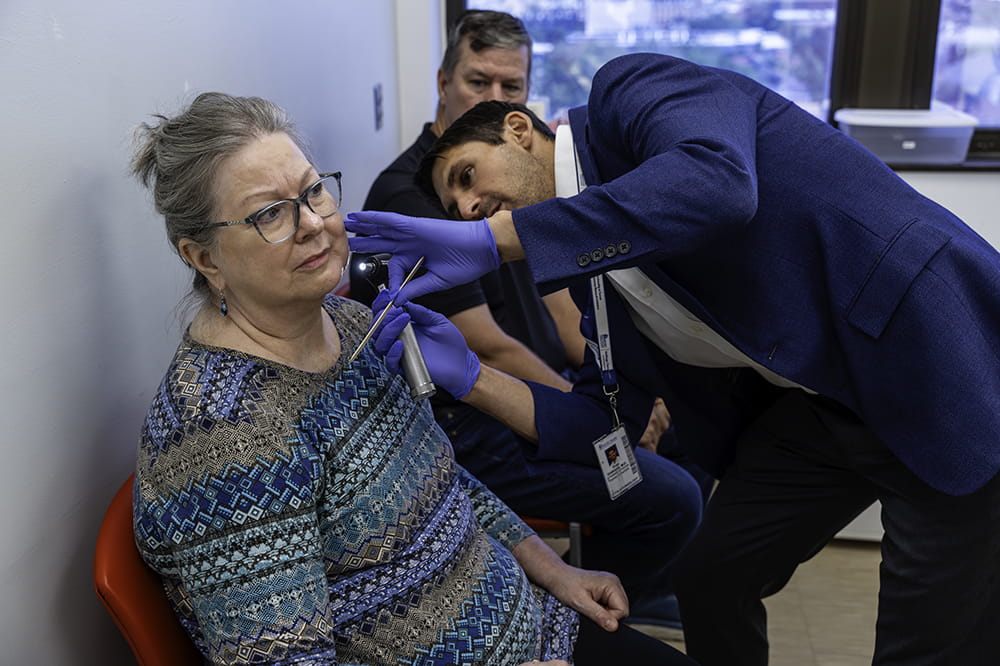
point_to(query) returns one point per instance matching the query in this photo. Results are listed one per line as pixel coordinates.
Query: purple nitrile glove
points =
(451, 364)
(454, 251)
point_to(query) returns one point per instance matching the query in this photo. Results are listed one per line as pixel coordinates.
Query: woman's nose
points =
(309, 221)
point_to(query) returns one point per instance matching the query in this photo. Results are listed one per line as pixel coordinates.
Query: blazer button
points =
(596, 255)
(583, 260)
(610, 251)
(624, 247)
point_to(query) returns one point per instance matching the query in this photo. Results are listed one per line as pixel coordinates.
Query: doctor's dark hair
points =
(485, 30)
(179, 158)
(485, 123)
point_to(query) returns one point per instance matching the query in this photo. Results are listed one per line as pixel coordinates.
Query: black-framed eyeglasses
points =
(279, 221)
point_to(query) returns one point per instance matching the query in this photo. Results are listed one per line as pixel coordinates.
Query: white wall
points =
(973, 196)
(420, 39)
(89, 283)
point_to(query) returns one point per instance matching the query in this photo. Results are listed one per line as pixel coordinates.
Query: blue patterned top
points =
(320, 518)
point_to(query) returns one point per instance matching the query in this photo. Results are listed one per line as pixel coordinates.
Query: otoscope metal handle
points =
(375, 269)
(414, 367)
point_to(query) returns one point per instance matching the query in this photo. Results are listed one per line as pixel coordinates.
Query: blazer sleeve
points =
(672, 147)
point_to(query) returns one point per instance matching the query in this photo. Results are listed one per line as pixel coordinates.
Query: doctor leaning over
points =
(823, 335)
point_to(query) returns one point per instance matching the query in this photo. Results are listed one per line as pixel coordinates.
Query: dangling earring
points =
(223, 308)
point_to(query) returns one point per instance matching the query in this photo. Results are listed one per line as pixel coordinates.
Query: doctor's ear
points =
(519, 127)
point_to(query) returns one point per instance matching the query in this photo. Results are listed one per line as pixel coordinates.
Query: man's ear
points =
(198, 257)
(519, 128)
(442, 80)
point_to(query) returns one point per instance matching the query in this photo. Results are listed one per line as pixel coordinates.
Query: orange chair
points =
(133, 594)
(572, 530)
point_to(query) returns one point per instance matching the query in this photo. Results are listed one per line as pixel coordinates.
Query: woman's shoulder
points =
(206, 389)
(352, 318)
(217, 410)
(209, 371)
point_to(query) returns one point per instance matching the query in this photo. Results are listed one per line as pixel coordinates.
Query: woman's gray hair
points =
(178, 158)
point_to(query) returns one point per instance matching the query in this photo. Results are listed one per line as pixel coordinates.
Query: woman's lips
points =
(315, 260)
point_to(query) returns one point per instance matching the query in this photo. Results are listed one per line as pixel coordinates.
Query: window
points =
(914, 54)
(967, 66)
(785, 44)
(821, 54)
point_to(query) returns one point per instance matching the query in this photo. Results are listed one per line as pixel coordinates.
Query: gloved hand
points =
(454, 251)
(449, 360)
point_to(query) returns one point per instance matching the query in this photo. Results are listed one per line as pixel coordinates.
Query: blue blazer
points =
(795, 244)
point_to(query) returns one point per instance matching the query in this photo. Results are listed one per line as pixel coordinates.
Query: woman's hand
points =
(596, 594)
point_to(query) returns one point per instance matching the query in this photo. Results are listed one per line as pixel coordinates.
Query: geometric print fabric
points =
(320, 517)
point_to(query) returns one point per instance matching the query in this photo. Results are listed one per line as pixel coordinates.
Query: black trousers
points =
(802, 472)
(596, 647)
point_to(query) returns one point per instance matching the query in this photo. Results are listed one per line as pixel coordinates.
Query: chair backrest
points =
(572, 530)
(133, 593)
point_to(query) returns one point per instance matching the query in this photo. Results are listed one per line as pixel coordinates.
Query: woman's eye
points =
(269, 215)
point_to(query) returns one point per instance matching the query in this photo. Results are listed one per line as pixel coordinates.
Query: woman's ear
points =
(199, 257)
(520, 129)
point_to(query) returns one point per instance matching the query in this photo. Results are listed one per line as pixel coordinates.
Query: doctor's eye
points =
(465, 178)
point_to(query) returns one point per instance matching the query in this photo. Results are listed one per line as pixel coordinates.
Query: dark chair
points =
(133, 594)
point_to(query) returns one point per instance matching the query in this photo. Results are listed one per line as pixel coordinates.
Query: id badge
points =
(618, 465)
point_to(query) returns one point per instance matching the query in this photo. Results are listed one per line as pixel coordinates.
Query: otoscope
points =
(375, 269)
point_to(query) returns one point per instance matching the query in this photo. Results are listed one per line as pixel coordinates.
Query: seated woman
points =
(300, 508)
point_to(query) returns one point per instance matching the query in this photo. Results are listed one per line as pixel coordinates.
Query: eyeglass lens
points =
(277, 222)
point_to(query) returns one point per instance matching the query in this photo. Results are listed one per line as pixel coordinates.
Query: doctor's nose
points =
(469, 207)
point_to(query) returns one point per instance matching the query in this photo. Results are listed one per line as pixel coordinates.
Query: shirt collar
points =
(567, 167)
